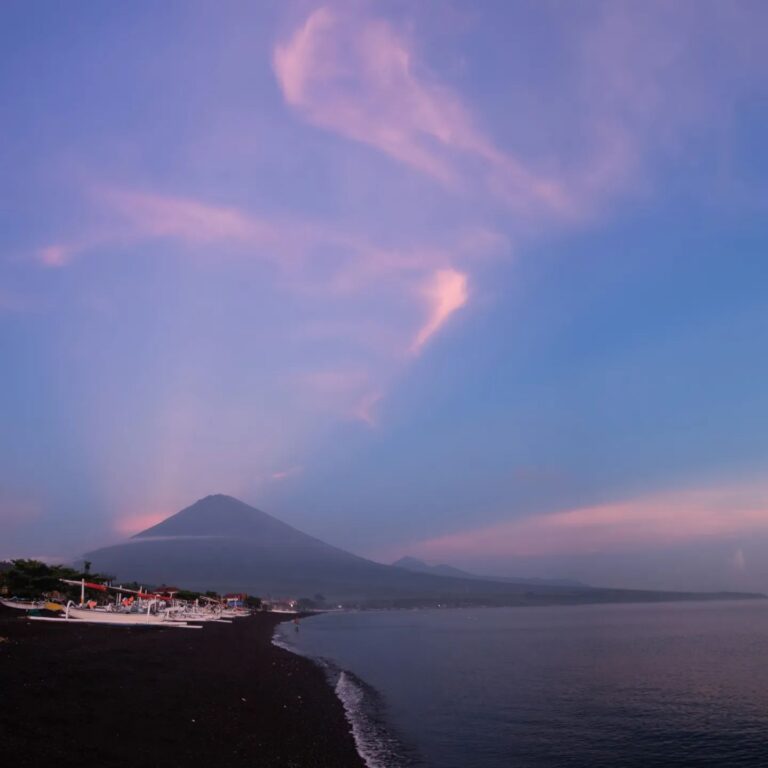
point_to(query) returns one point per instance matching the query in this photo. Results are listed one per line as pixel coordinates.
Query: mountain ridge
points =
(224, 544)
(442, 569)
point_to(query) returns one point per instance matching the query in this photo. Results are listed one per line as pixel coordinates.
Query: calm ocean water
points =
(682, 684)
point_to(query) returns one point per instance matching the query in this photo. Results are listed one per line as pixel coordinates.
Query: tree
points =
(33, 578)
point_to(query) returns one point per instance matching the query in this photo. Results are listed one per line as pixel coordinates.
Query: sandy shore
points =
(115, 696)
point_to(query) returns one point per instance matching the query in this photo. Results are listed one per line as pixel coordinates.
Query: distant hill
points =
(221, 543)
(419, 566)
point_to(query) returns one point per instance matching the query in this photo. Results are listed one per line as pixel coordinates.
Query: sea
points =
(620, 686)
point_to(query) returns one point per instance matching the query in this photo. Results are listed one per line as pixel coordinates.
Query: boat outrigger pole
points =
(103, 588)
(83, 584)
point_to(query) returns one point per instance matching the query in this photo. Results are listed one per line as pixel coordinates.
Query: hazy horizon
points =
(479, 283)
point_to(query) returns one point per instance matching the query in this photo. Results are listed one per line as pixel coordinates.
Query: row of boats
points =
(131, 608)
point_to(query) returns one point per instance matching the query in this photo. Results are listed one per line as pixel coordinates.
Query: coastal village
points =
(58, 593)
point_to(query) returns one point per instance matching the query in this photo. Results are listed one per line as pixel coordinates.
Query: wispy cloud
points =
(189, 220)
(445, 293)
(350, 392)
(365, 409)
(284, 474)
(56, 254)
(357, 76)
(328, 269)
(647, 522)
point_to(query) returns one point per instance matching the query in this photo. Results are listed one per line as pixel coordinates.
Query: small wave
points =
(363, 708)
(375, 744)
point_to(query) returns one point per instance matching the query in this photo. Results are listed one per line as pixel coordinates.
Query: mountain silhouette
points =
(220, 543)
(419, 566)
(226, 516)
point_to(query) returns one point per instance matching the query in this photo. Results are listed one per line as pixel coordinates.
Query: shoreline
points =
(134, 696)
(376, 740)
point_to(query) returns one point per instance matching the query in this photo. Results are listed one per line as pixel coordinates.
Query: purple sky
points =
(481, 282)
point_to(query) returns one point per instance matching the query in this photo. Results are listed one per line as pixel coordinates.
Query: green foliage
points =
(33, 578)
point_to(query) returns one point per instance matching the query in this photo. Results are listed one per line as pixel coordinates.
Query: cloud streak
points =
(357, 77)
(644, 523)
(445, 293)
(185, 219)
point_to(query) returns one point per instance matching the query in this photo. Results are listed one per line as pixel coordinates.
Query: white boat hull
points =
(162, 624)
(94, 616)
(21, 605)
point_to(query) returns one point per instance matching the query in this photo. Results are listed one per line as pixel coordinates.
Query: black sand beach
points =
(133, 697)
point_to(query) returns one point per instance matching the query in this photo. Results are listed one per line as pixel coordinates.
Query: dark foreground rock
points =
(133, 698)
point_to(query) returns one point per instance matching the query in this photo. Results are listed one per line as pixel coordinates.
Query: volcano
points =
(220, 543)
(223, 544)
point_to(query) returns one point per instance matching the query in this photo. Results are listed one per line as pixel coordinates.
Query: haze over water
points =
(621, 686)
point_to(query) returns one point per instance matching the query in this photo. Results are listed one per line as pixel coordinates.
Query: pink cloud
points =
(283, 474)
(137, 216)
(316, 256)
(445, 293)
(186, 219)
(365, 409)
(652, 521)
(357, 77)
(319, 263)
(349, 392)
(56, 255)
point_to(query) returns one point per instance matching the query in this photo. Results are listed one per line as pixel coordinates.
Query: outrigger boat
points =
(141, 613)
(23, 605)
(132, 618)
(140, 608)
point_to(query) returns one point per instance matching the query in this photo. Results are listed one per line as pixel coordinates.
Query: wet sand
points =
(138, 697)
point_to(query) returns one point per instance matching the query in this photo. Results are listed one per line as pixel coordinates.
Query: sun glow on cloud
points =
(642, 523)
(187, 219)
(446, 292)
(284, 474)
(56, 255)
(357, 77)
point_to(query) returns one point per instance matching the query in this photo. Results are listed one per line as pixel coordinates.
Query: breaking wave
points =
(364, 710)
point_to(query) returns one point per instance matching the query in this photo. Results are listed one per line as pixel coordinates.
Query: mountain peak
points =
(219, 516)
(419, 566)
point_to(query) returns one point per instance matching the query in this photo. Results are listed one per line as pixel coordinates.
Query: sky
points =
(484, 283)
